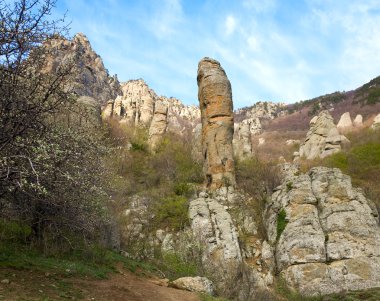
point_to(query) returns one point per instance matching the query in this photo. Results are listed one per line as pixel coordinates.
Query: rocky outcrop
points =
(358, 121)
(345, 123)
(92, 78)
(137, 105)
(158, 125)
(323, 138)
(213, 226)
(325, 233)
(242, 142)
(263, 110)
(215, 100)
(376, 123)
(194, 284)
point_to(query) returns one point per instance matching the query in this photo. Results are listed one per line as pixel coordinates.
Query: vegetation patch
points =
(281, 223)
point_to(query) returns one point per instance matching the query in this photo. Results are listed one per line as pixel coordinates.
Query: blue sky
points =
(278, 50)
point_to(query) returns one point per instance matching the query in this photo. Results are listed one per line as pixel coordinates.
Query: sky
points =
(271, 50)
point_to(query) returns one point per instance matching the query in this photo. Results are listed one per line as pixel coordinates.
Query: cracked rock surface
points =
(331, 241)
(215, 101)
(323, 138)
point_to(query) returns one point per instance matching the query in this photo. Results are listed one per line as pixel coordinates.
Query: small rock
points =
(194, 284)
(5, 281)
(203, 194)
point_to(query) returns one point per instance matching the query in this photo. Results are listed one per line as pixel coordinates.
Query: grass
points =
(206, 297)
(98, 265)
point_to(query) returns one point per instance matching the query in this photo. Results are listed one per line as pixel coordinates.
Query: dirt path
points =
(124, 286)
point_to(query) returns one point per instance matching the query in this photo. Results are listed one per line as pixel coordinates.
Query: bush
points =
(281, 223)
(172, 212)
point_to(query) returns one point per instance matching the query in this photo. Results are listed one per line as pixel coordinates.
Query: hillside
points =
(109, 191)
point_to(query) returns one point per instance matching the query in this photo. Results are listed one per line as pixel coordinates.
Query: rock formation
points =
(136, 106)
(158, 125)
(194, 284)
(376, 123)
(345, 123)
(358, 121)
(263, 110)
(215, 100)
(213, 226)
(323, 138)
(92, 77)
(242, 142)
(330, 239)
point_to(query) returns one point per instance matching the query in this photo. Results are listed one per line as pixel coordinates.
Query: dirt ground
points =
(31, 285)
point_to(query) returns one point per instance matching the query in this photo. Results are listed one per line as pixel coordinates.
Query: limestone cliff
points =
(92, 78)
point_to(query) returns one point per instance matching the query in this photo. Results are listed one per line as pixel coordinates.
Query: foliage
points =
(95, 262)
(281, 223)
(172, 212)
(361, 162)
(288, 294)
(173, 266)
(50, 169)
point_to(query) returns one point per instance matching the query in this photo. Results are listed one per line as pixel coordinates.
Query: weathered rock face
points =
(158, 125)
(137, 104)
(331, 239)
(345, 123)
(242, 142)
(93, 79)
(358, 121)
(213, 226)
(263, 110)
(323, 138)
(215, 100)
(376, 123)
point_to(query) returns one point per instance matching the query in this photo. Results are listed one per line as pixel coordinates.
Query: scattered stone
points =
(292, 142)
(261, 141)
(215, 100)
(5, 281)
(194, 284)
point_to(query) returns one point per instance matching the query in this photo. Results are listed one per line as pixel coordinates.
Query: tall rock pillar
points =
(215, 101)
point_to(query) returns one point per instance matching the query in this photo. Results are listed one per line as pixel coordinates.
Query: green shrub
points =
(14, 230)
(172, 212)
(281, 223)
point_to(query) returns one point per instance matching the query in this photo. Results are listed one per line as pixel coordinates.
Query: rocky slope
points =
(92, 79)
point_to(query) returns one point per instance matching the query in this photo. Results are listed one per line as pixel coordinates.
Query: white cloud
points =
(230, 25)
(168, 15)
(260, 6)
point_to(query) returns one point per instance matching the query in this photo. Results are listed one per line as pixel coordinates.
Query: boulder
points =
(330, 239)
(194, 284)
(215, 101)
(345, 123)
